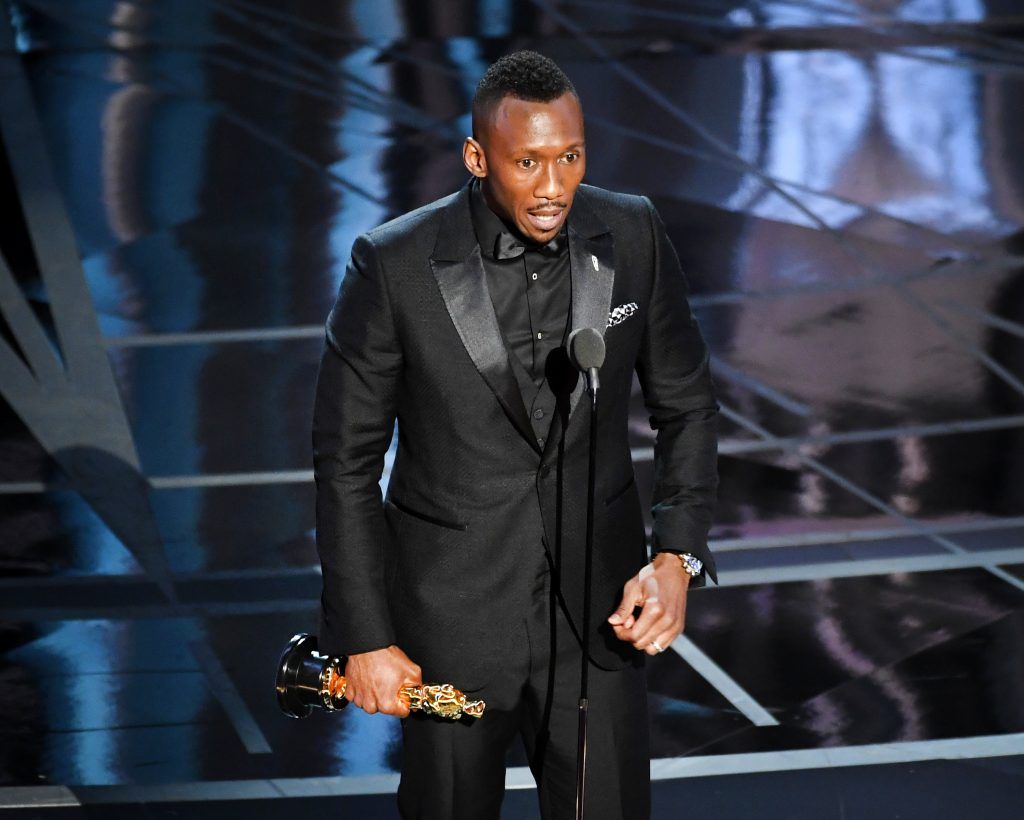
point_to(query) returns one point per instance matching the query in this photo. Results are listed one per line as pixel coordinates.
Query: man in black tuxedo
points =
(451, 320)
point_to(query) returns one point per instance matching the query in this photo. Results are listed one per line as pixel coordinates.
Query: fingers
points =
(376, 679)
(664, 641)
(622, 618)
(375, 701)
(655, 619)
(640, 588)
(657, 622)
(664, 630)
(413, 677)
(400, 708)
(361, 697)
(355, 696)
(389, 699)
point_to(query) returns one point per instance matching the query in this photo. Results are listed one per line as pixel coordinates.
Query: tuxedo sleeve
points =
(680, 397)
(353, 421)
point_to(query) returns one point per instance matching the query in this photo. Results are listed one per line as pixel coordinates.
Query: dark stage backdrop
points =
(182, 183)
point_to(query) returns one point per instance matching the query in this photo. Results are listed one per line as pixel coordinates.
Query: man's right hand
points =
(374, 679)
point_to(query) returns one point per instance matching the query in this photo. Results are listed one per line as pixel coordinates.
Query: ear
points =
(473, 158)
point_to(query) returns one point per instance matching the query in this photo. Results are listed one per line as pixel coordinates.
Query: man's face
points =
(533, 162)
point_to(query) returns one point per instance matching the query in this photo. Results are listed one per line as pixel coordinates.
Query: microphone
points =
(586, 352)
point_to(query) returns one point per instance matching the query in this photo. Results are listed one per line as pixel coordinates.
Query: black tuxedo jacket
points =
(443, 565)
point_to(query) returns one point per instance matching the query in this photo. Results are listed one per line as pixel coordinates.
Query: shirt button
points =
(540, 443)
(540, 334)
(538, 413)
(534, 276)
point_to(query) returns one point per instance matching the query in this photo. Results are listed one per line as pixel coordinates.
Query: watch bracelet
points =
(684, 560)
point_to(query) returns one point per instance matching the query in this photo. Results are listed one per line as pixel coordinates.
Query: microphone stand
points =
(581, 743)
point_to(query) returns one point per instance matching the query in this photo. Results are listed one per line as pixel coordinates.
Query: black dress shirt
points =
(532, 295)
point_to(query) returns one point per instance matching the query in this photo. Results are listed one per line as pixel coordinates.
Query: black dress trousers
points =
(456, 771)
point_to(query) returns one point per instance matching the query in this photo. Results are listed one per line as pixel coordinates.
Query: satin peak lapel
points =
(592, 257)
(459, 270)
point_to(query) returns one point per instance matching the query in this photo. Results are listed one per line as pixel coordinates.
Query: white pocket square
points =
(618, 315)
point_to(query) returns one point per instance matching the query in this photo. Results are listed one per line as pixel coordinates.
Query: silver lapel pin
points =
(593, 260)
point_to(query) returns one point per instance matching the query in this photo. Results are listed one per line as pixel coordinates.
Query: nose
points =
(549, 185)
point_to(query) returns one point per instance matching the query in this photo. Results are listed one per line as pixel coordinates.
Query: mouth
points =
(546, 220)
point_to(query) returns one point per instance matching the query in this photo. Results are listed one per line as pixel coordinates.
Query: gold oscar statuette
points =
(307, 680)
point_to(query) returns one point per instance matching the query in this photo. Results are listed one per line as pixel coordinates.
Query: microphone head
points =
(586, 348)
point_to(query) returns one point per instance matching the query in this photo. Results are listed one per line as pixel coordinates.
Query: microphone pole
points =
(586, 352)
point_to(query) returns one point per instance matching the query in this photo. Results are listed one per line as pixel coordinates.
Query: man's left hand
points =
(661, 595)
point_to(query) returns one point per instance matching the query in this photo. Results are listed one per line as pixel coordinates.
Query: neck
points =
(492, 205)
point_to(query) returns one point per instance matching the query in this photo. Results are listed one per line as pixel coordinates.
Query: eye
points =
(571, 156)
(526, 163)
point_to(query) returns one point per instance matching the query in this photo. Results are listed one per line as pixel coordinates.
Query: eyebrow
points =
(576, 146)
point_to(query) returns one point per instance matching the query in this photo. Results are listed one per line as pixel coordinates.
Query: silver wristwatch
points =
(691, 563)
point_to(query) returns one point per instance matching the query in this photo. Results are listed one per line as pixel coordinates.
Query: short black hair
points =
(525, 75)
